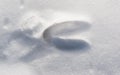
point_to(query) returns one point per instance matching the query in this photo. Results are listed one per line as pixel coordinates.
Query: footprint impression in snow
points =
(54, 35)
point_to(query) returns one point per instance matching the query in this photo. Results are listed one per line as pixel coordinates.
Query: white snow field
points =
(59, 37)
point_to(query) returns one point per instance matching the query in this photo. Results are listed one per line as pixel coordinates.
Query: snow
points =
(59, 37)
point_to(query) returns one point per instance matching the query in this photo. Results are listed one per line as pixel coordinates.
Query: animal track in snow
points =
(54, 33)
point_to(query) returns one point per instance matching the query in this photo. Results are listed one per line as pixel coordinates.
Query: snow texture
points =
(59, 37)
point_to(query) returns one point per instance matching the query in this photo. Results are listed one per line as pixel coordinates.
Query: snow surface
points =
(59, 37)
